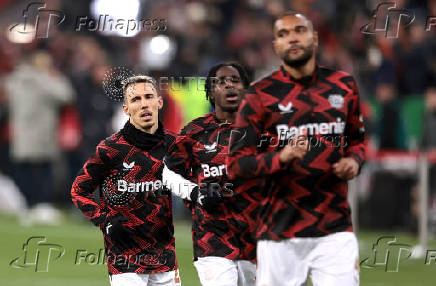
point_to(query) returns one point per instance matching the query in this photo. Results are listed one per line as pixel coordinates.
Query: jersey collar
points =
(307, 80)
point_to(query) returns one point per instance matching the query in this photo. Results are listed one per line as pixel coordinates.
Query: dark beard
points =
(301, 61)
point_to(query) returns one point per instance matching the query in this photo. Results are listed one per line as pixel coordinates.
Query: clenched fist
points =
(295, 149)
(346, 168)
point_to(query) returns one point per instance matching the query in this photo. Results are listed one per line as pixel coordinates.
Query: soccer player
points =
(134, 210)
(303, 136)
(224, 251)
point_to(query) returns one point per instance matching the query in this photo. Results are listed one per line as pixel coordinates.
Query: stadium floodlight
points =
(159, 45)
(157, 52)
(116, 12)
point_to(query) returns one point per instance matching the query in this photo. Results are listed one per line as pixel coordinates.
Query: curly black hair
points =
(211, 76)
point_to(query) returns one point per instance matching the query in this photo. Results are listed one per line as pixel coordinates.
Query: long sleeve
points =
(244, 160)
(177, 184)
(180, 155)
(86, 182)
(354, 131)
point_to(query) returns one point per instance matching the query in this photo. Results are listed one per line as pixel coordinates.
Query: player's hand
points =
(346, 168)
(295, 149)
(118, 233)
(207, 198)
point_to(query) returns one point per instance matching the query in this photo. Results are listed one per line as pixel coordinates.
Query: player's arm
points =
(354, 138)
(178, 164)
(86, 182)
(244, 160)
(355, 130)
(178, 185)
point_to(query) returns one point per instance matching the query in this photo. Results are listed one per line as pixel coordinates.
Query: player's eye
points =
(300, 29)
(222, 81)
(281, 34)
(136, 98)
(149, 96)
(236, 80)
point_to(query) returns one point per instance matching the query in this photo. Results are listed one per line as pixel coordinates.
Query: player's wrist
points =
(282, 157)
(194, 194)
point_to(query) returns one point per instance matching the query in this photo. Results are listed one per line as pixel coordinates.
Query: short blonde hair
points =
(137, 79)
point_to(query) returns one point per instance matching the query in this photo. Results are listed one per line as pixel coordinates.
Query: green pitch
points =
(75, 260)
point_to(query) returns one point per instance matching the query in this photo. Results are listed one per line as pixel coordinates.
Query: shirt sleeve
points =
(177, 184)
(88, 179)
(180, 156)
(354, 129)
(244, 160)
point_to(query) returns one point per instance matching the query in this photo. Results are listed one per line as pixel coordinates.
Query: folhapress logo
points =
(38, 254)
(286, 132)
(387, 19)
(32, 24)
(387, 253)
(124, 186)
(209, 171)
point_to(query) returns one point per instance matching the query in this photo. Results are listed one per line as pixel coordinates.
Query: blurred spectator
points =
(36, 92)
(95, 108)
(4, 134)
(411, 61)
(428, 142)
(389, 127)
(390, 133)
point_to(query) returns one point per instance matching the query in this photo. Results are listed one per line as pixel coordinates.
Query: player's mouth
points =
(232, 97)
(147, 115)
(294, 50)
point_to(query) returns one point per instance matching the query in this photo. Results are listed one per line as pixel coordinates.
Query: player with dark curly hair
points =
(224, 251)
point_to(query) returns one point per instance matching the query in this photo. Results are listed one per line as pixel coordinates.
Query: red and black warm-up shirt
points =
(303, 198)
(199, 155)
(127, 171)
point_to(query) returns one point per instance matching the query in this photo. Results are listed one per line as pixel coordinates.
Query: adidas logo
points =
(128, 166)
(285, 109)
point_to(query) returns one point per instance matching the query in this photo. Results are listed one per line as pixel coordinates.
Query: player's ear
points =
(126, 108)
(276, 46)
(211, 97)
(315, 38)
(160, 102)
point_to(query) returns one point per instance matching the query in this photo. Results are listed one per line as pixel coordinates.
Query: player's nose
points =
(229, 83)
(145, 103)
(293, 37)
